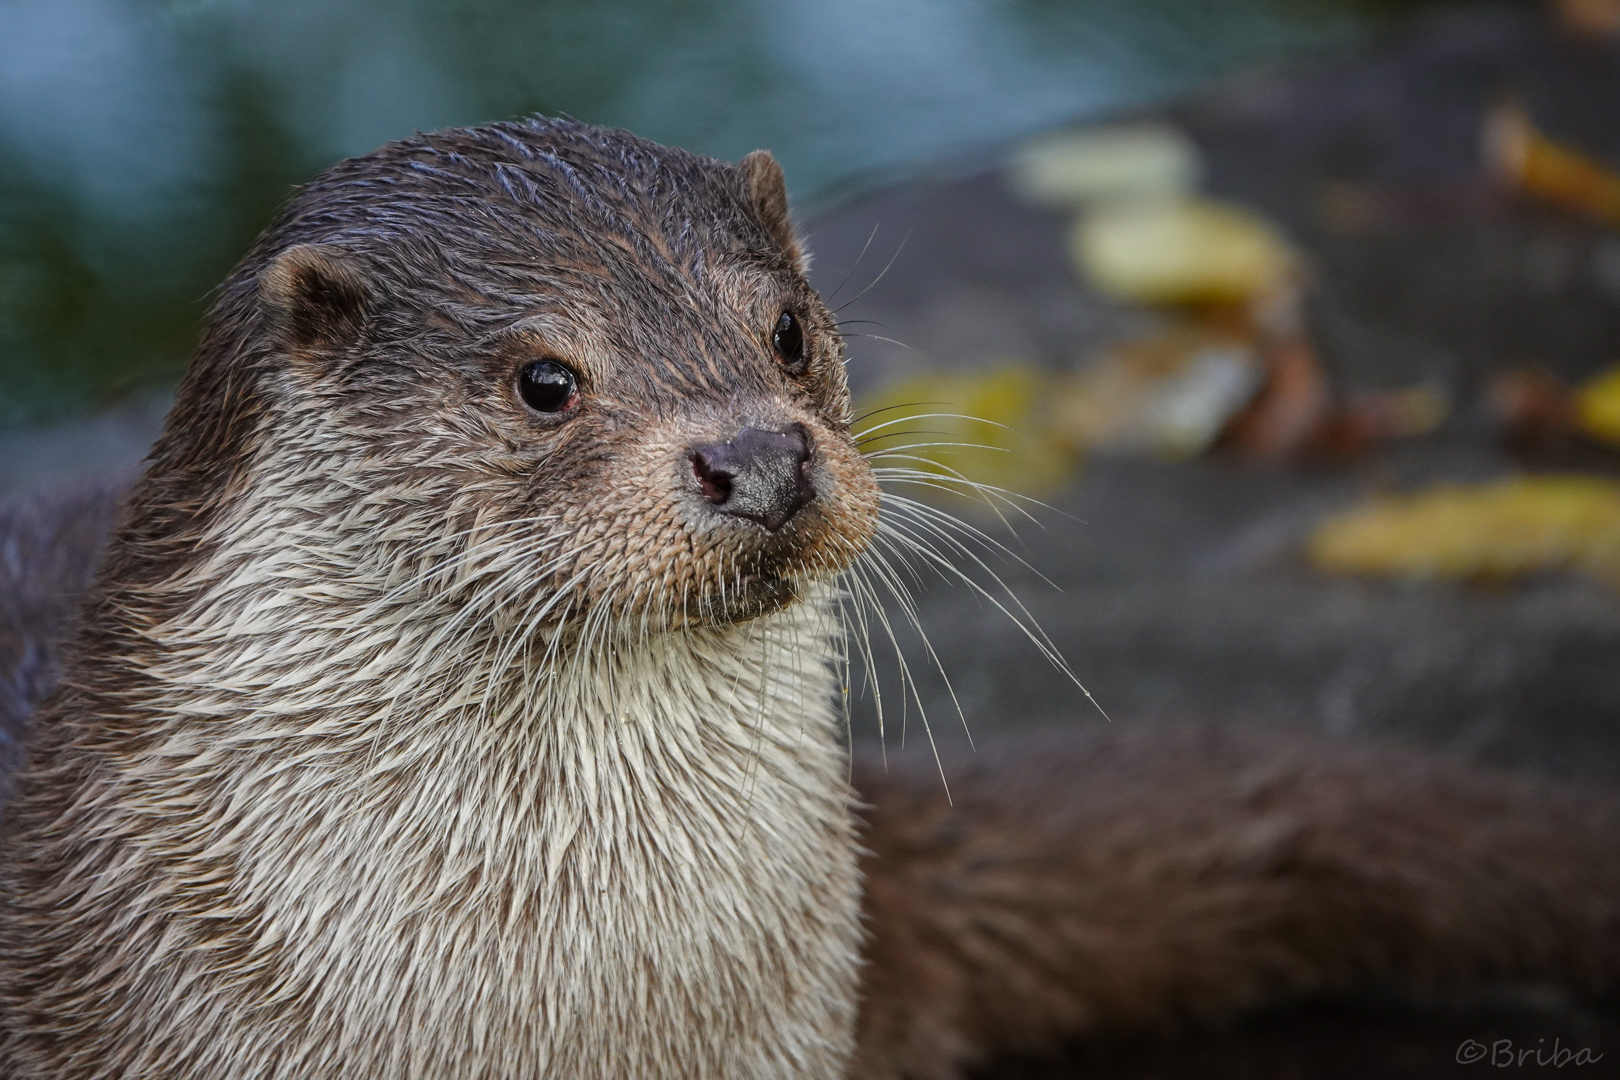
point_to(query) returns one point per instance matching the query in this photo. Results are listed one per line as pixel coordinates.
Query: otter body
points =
(608, 880)
(457, 698)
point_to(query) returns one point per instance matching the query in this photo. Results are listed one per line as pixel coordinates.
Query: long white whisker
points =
(909, 417)
(851, 272)
(912, 616)
(943, 477)
(879, 278)
(1023, 620)
(874, 562)
(955, 532)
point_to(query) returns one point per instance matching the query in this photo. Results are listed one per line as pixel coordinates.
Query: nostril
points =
(802, 451)
(758, 474)
(715, 483)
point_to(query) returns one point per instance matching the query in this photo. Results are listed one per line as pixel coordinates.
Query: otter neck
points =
(597, 855)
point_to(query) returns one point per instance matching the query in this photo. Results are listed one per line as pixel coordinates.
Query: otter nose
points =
(759, 475)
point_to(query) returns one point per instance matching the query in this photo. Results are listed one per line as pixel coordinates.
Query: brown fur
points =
(49, 548)
(410, 733)
(363, 593)
(1144, 878)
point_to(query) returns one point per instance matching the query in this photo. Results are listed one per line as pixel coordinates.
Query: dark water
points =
(143, 144)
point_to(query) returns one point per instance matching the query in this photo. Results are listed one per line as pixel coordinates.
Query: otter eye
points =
(788, 340)
(547, 386)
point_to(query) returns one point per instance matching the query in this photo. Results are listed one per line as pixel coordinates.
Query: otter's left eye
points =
(547, 386)
(788, 340)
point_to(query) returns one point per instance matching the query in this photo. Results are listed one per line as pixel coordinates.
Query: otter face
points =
(579, 370)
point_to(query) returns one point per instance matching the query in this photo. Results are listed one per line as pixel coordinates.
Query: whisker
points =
(1024, 620)
(851, 271)
(938, 523)
(926, 416)
(880, 276)
(863, 640)
(902, 434)
(897, 590)
(912, 615)
(880, 337)
(952, 482)
(943, 477)
(892, 408)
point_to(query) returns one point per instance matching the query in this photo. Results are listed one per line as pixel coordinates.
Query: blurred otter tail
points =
(49, 550)
(1147, 878)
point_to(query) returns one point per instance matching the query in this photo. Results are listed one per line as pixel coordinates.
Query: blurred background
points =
(1300, 318)
(143, 144)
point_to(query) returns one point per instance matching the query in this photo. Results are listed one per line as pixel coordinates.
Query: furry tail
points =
(49, 549)
(1147, 878)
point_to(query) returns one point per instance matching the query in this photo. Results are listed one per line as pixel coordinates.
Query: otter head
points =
(560, 369)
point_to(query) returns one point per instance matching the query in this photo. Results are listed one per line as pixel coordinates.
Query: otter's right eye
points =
(547, 386)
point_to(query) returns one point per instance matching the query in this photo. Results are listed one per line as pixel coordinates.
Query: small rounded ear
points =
(769, 190)
(315, 298)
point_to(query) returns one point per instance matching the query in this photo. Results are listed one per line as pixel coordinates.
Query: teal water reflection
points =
(144, 144)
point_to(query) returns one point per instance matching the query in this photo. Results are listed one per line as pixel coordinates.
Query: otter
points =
(458, 697)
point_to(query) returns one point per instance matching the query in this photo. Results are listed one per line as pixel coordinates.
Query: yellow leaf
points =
(1553, 171)
(1181, 251)
(1597, 406)
(983, 427)
(1494, 530)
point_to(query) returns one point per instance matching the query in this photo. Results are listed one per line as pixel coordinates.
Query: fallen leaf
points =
(1598, 19)
(950, 430)
(1597, 407)
(1181, 251)
(1487, 531)
(1291, 408)
(1072, 169)
(1552, 171)
(1532, 404)
(1169, 394)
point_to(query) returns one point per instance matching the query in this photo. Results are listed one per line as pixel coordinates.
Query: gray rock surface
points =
(1184, 591)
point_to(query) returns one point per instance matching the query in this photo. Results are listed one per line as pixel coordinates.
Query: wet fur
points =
(377, 752)
(407, 734)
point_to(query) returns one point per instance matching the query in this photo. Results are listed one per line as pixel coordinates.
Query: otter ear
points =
(769, 190)
(315, 298)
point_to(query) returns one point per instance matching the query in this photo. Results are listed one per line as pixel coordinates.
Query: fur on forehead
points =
(414, 252)
(490, 195)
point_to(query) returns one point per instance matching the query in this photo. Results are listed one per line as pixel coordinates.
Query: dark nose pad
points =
(759, 475)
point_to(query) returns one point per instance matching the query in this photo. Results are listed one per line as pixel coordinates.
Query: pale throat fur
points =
(458, 698)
